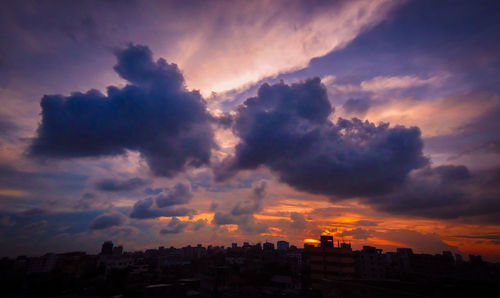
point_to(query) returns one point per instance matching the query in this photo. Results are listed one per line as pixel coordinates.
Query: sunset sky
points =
(171, 123)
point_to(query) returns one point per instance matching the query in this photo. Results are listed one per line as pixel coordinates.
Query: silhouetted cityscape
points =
(327, 268)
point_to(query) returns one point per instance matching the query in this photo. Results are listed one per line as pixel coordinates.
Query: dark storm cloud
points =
(175, 226)
(144, 209)
(120, 185)
(154, 115)
(287, 129)
(106, 221)
(181, 194)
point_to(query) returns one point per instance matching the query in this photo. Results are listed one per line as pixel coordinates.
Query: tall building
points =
(117, 251)
(268, 246)
(330, 263)
(326, 241)
(107, 248)
(283, 245)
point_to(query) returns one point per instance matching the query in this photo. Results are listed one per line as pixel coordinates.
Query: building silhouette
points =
(371, 263)
(107, 248)
(328, 263)
(268, 246)
(283, 245)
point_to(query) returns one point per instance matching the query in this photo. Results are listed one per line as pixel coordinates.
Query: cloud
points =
(467, 116)
(221, 218)
(259, 191)
(257, 40)
(144, 209)
(199, 224)
(6, 221)
(428, 191)
(365, 223)
(482, 236)
(357, 106)
(213, 206)
(357, 233)
(175, 226)
(254, 204)
(327, 212)
(165, 204)
(92, 201)
(106, 221)
(117, 185)
(287, 129)
(445, 192)
(124, 232)
(181, 194)
(154, 115)
(34, 212)
(153, 191)
(246, 222)
(298, 220)
(220, 47)
(490, 146)
(242, 213)
(35, 225)
(7, 126)
(478, 135)
(31, 182)
(381, 83)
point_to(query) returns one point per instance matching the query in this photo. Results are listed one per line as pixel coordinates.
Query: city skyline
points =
(248, 270)
(337, 243)
(163, 123)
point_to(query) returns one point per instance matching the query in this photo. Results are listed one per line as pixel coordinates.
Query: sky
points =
(168, 123)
